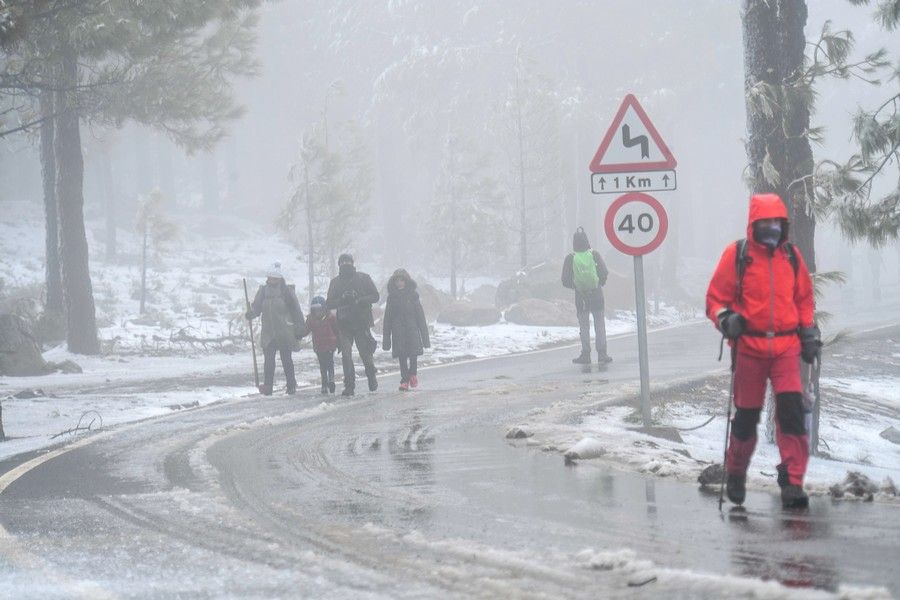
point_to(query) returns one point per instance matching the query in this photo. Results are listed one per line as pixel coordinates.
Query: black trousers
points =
(287, 363)
(362, 338)
(326, 366)
(408, 365)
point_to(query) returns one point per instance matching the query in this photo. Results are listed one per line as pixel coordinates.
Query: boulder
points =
(483, 294)
(20, 352)
(433, 300)
(543, 282)
(533, 311)
(465, 314)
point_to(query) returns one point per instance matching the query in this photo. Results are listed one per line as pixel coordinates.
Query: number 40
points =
(644, 223)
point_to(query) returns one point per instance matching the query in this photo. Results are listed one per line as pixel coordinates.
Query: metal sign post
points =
(643, 358)
(636, 224)
(633, 159)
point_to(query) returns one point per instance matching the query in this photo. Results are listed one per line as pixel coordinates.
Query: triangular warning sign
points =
(632, 143)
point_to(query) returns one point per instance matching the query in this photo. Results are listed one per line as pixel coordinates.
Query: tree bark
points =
(310, 236)
(109, 205)
(144, 270)
(797, 157)
(81, 330)
(774, 44)
(209, 175)
(55, 300)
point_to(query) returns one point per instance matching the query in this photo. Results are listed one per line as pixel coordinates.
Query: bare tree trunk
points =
(55, 299)
(774, 44)
(523, 223)
(310, 241)
(209, 181)
(144, 270)
(798, 157)
(109, 205)
(81, 330)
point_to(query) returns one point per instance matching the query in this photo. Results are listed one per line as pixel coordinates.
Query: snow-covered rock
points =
(533, 311)
(20, 352)
(587, 448)
(465, 314)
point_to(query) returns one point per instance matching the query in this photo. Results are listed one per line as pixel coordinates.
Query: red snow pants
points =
(750, 375)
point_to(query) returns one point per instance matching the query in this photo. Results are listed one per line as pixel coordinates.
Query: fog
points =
(410, 76)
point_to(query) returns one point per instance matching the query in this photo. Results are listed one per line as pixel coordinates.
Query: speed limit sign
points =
(636, 224)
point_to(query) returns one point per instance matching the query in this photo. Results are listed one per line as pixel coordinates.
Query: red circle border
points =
(610, 226)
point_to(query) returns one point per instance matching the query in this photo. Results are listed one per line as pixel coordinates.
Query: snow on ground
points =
(190, 348)
(859, 401)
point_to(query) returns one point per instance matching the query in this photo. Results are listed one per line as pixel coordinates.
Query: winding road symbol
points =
(628, 141)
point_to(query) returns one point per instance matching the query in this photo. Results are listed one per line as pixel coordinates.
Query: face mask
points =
(768, 235)
(346, 270)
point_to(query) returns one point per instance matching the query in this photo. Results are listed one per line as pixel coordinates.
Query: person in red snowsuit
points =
(767, 315)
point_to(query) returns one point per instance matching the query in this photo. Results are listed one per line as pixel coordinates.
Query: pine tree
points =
(166, 65)
(466, 209)
(330, 199)
(156, 230)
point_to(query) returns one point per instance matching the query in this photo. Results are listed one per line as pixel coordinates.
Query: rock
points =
(67, 366)
(433, 300)
(483, 294)
(891, 434)
(534, 311)
(586, 448)
(517, 433)
(543, 282)
(29, 394)
(465, 314)
(20, 352)
(711, 475)
(855, 484)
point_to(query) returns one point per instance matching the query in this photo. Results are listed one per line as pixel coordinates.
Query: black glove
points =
(248, 315)
(350, 296)
(810, 343)
(732, 324)
(386, 345)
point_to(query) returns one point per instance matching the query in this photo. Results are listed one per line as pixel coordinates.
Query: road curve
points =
(394, 495)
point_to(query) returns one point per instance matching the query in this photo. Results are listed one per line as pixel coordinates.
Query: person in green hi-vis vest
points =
(585, 272)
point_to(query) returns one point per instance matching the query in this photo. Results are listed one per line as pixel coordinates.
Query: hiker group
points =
(344, 318)
(338, 322)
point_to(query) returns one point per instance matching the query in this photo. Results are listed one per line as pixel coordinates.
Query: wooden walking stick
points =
(252, 341)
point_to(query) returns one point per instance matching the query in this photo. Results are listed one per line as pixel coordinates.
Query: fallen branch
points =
(79, 426)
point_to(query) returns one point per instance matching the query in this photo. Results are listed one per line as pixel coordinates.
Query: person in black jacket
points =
(405, 330)
(589, 300)
(352, 295)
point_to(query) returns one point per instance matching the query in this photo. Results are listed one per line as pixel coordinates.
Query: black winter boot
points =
(347, 392)
(582, 359)
(736, 487)
(792, 495)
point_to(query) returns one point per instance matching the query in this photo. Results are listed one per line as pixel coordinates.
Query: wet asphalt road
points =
(410, 495)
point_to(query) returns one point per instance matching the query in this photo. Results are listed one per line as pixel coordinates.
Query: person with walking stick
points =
(761, 298)
(282, 327)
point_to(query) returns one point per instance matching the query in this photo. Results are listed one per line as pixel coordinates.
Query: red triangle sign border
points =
(597, 165)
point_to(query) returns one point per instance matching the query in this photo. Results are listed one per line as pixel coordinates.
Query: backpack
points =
(584, 270)
(741, 261)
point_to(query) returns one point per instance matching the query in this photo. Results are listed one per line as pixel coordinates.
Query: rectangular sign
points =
(645, 181)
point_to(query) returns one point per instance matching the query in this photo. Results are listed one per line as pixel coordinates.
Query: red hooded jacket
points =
(773, 298)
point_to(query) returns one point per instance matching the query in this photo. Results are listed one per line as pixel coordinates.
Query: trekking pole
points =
(814, 429)
(727, 427)
(252, 341)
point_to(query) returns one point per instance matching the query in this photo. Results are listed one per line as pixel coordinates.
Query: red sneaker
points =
(413, 381)
(404, 387)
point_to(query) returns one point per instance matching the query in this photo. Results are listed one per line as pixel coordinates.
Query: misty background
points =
(408, 93)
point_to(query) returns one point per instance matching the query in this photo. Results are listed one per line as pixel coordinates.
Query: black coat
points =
(352, 297)
(405, 329)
